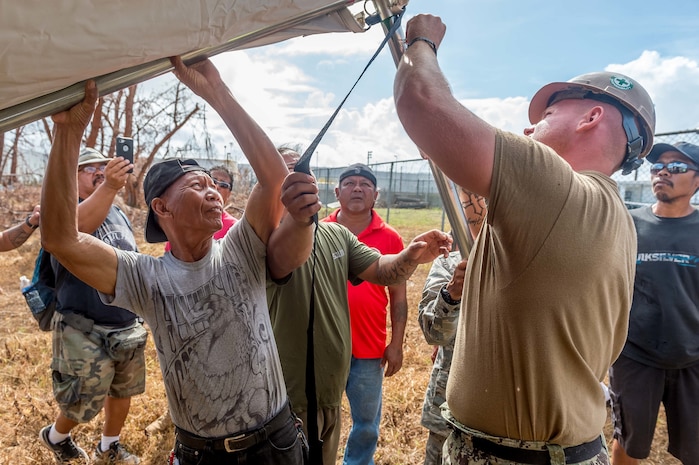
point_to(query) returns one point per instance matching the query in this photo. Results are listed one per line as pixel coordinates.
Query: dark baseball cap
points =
(358, 169)
(690, 151)
(158, 179)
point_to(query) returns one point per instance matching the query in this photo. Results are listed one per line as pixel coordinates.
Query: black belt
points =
(238, 442)
(574, 454)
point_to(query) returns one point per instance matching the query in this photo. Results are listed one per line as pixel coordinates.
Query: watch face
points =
(447, 297)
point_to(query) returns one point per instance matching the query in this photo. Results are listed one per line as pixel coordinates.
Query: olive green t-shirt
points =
(339, 257)
(546, 303)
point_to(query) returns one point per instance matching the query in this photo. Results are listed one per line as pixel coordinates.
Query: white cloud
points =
(372, 128)
(376, 128)
(510, 114)
(293, 106)
(673, 84)
(281, 97)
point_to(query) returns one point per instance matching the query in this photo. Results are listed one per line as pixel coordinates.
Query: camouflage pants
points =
(459, 449)
(433, 449)
(88, 366)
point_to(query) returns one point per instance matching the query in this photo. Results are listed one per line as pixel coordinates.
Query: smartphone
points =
(124, 148)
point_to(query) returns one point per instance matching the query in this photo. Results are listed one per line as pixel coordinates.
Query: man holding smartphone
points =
(98, 350)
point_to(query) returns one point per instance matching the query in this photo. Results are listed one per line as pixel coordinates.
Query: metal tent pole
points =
(448, 191)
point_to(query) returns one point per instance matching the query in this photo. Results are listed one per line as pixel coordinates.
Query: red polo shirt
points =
(368, 302)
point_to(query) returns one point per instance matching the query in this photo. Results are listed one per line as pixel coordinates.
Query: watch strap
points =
(447, 297)
(26, 221)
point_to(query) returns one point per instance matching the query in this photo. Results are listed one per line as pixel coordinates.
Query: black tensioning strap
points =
(304, 166)
(315, 444)
(304, 163)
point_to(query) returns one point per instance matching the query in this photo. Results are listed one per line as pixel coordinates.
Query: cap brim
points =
(659, 149)
(154, 234)
(93, 160)
(541, 99)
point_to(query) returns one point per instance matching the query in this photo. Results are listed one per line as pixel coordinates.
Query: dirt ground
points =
(26, 402)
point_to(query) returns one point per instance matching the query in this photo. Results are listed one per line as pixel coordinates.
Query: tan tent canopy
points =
(49, 48)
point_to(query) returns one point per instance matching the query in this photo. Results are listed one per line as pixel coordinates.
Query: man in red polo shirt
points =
(372, 359)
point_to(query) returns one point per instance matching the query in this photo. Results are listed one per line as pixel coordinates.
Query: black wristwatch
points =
(26, 221)
(447, 297)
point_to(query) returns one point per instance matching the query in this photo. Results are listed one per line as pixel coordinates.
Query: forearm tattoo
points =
(16, 236)
(395, 272)
(474, 207)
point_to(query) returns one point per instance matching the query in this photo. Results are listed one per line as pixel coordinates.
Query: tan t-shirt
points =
(546, 305)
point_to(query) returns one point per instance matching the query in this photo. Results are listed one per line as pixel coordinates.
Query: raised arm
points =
(88, 258)
(263, 210)
(290, 244)
(460, 144)
(397, 268)
(13, 237)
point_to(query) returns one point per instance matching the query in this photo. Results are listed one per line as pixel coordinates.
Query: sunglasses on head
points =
(94, 169)
(674, 167)
(223, 184)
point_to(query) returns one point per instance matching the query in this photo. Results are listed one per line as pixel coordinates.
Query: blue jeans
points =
(364, 389)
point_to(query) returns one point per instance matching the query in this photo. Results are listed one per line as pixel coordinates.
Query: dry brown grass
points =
(26, 403)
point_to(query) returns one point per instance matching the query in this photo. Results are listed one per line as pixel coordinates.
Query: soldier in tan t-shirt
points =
(549, 281)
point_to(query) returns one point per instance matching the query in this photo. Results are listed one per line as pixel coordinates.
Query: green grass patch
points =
(410, 222)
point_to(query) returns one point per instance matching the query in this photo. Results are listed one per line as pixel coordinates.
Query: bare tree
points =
(95, 125)
(152, 121)
(152, 118)
(11, 157)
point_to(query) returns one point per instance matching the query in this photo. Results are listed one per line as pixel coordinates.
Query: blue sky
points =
(496, 55)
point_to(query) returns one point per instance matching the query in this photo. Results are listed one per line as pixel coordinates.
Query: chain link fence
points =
(410, 184)
(404, 183)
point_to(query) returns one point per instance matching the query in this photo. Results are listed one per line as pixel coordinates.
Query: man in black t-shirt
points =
(660, 361)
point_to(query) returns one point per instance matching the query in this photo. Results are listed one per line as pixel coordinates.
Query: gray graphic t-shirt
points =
(212, 332)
